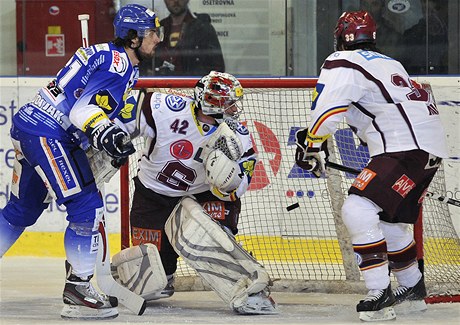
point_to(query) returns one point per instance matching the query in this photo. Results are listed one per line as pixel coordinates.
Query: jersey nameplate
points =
(369, 55)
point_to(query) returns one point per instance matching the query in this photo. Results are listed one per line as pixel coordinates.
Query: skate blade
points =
(86, 313)
(387, 313)
(410, 306)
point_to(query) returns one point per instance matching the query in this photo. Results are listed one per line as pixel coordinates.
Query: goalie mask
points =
(354, 27)
(218, 94)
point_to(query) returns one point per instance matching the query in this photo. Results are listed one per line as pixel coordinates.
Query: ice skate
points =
(167, 292)
(82, 301)
(258, 304)
(410, 299)
(377, 306)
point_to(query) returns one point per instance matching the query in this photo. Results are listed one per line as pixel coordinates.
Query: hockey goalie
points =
(197, 162)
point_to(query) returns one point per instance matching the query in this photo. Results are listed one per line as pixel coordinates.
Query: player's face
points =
(233, 110)
(176, 7)
(149, 43)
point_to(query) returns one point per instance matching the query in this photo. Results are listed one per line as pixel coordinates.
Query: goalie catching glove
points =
(310, 159)
(111, 139)
(224, 139)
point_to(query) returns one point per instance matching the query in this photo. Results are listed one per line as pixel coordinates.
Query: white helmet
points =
(218, 93)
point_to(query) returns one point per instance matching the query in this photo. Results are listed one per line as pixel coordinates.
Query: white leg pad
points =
(221, 262)
(139, 268)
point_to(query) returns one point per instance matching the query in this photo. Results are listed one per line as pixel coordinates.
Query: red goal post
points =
(290, 221)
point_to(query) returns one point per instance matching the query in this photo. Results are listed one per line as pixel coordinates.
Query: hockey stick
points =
(104, 277)
(83, 18)
(107, 283)
(432, 195)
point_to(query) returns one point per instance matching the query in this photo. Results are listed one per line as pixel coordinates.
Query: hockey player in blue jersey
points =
(52, 136)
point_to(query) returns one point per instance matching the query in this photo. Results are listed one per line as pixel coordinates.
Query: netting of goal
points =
(290, 220)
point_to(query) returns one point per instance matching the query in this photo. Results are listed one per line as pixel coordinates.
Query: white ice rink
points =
(31, 289)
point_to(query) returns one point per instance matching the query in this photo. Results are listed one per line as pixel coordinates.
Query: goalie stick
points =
(107, 283)
(354, 171)
(104, 277)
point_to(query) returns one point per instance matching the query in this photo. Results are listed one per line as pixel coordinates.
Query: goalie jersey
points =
(172, 159)
(92, 86)
(385, 108)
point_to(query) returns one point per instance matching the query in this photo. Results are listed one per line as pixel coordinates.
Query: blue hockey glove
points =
(113, 140)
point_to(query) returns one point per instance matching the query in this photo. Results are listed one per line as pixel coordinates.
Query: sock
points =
(81, 246)
(8, 234)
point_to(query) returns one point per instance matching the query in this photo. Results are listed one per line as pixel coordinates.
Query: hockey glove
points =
(309, 159)
(113, 140)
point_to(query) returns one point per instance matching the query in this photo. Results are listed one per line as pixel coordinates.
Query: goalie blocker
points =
(221, 262)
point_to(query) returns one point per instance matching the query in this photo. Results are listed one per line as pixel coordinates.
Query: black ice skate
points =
(410, 299)
(82, 301)
(377, 306)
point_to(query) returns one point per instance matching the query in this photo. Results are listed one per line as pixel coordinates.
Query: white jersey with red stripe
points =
(172, 160)
(380, 103)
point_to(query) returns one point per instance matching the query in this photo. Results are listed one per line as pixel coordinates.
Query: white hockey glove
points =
(310, 159)
(222, 172)
(111, 139)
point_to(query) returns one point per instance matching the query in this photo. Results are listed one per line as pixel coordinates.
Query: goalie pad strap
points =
(222, 263)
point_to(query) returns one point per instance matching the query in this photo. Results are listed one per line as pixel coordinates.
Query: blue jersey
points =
(91, 89)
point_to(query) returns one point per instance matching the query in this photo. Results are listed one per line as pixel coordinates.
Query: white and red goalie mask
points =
(219, 93)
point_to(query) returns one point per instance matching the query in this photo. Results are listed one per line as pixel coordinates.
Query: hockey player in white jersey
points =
(197, 163)
(51, 135)
(400, 124)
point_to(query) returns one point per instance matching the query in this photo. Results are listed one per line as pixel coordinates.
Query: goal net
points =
(290, 220)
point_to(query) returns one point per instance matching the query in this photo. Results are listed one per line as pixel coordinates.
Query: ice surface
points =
(31, 290)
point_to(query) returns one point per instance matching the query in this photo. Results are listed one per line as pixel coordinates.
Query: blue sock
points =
(8, 234)
(81, 247)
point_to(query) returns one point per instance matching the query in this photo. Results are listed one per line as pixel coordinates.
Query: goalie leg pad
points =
(221, 262)
(139, 268)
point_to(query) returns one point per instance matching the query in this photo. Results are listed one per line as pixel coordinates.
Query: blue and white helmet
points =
(136, 17)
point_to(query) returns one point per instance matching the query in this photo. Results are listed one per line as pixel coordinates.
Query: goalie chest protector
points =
(172, 163)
